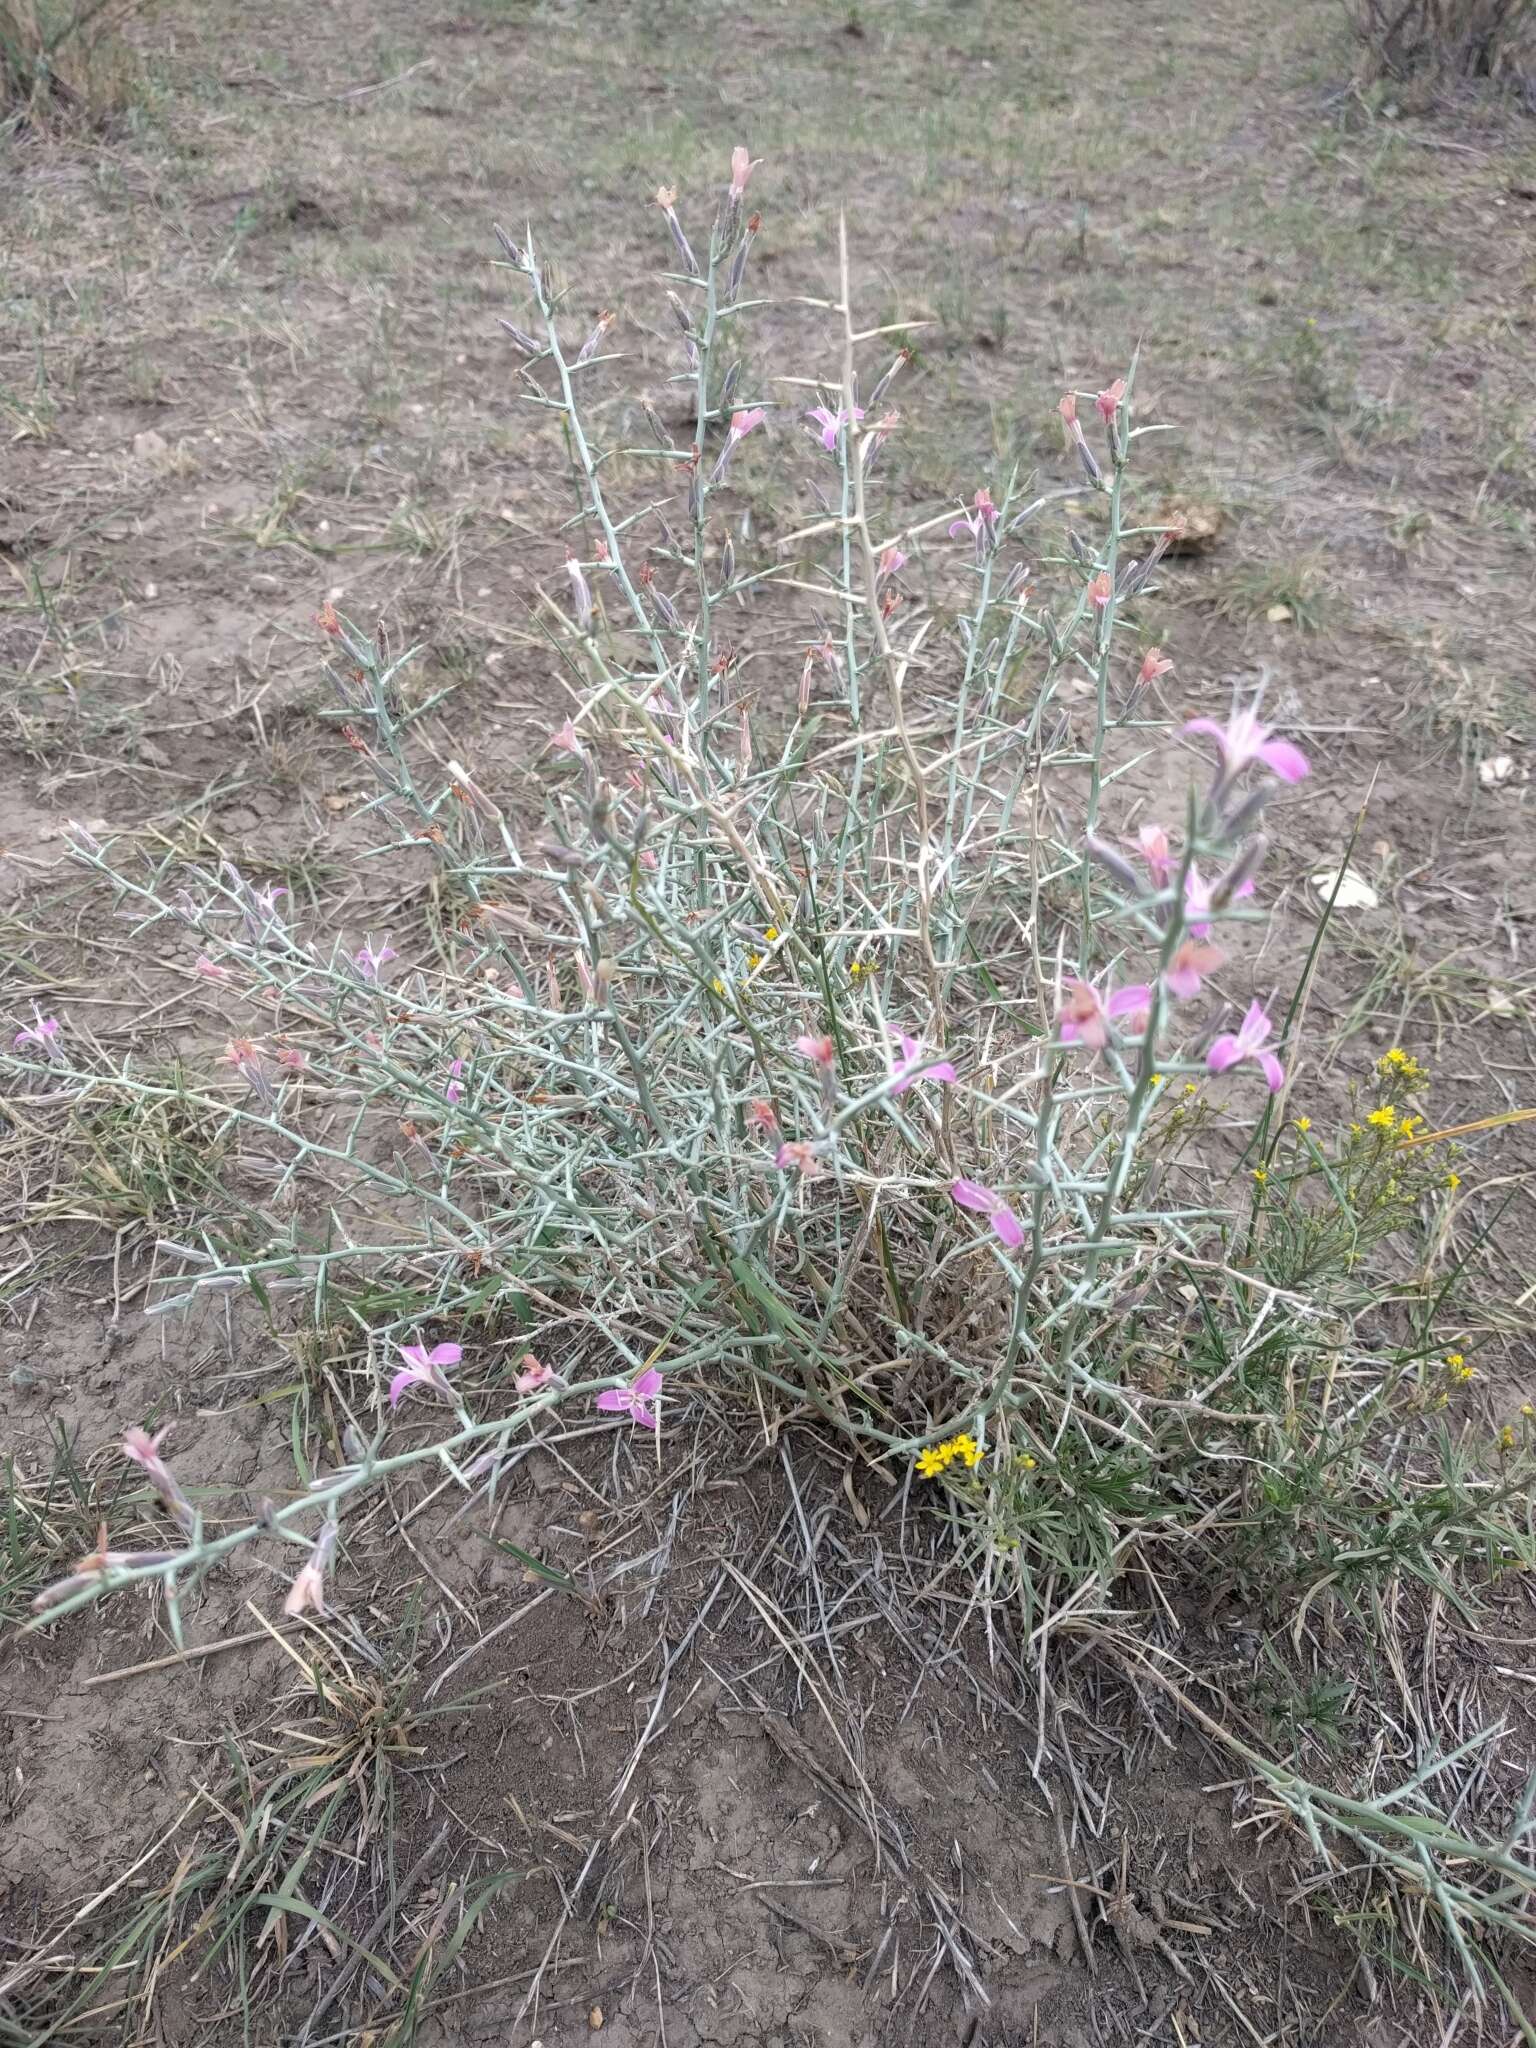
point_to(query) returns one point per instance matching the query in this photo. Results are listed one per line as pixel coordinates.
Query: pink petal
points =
(940, 1071)
(614, 1400)
(649, 1383)
(402, 1383)
(1288, 762)
(1226, 1052)
(970, 1194)
(1210, 728)
(909, 1046)
(1008, 1228)
(444, 1354)
(1069, 1031)
(1274, 1073)
(1255, 1027)
(643, 1415)
(415, 1354)
(1183, 982)
(1126, 1000)
(957, 527)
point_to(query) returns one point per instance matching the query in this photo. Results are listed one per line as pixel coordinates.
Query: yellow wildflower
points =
(1453, 1180)
(966, 1449)
(1355, 1130)
(1457, 1368)
(1260, 1175)
(1027, 1463)
(1385, 1118)
(1506, 1438)
(1157, 1080)
(931, 1463)
(856, 968)
(1303, 1123)
(754, 961)
(1190, 1088)
(1527, 1410)
(771, 934)
(718, 986)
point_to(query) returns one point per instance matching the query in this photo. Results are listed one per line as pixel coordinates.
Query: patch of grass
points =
(1294, 593)
(49, 1516)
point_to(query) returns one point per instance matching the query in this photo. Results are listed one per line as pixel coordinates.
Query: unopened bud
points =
(1240, 874)
(1113, 864)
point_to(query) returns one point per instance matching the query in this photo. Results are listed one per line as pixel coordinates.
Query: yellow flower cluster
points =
(933, 1461)
(1457, 1368)
(1398, 1065)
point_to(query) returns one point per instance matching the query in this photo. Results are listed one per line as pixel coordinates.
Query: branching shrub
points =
(1461, 38)
(834, 1047)
(64, 60)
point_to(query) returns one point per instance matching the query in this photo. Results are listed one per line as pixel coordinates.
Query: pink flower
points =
(819, 1050)
(423, 1368)
(1154, 663)
(289, 1056)
(1190, 964)
(761, 1117)
(43, 1034)
(1248, 1043)
(796, 1155)
(648, 858)
(891, 559)
(308, 1588)
(144, 1450)
(832, 423)
(1109, 402)
(913, 1066)
(971, 1194)
(1152, 841)
(567, 740)
(1242, 740)
(1085, 1015)
(210, 970)
(371, 958)
(742, 423)
(741, 170)
(1197, 900)
(454, 1092)
(635, 1399)
(1101, 589)
(980, 524)
(534, 1377)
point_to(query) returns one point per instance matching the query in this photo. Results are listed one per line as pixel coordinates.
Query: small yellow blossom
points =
(1355, 1130)
(1506, 1438)
(931, 1463)
(1453, 1180)
(718, 985)
(1190, 1088)
(771, 934)
(1385, 1118)
(1157, 1080)
(966, 1449)
(1457, 1368)
(1303, 1123)
(754, 961)
(1261, 1175)
(1027, 1463)
(856, 968)
(1527, 1410)
(1405, 1128)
